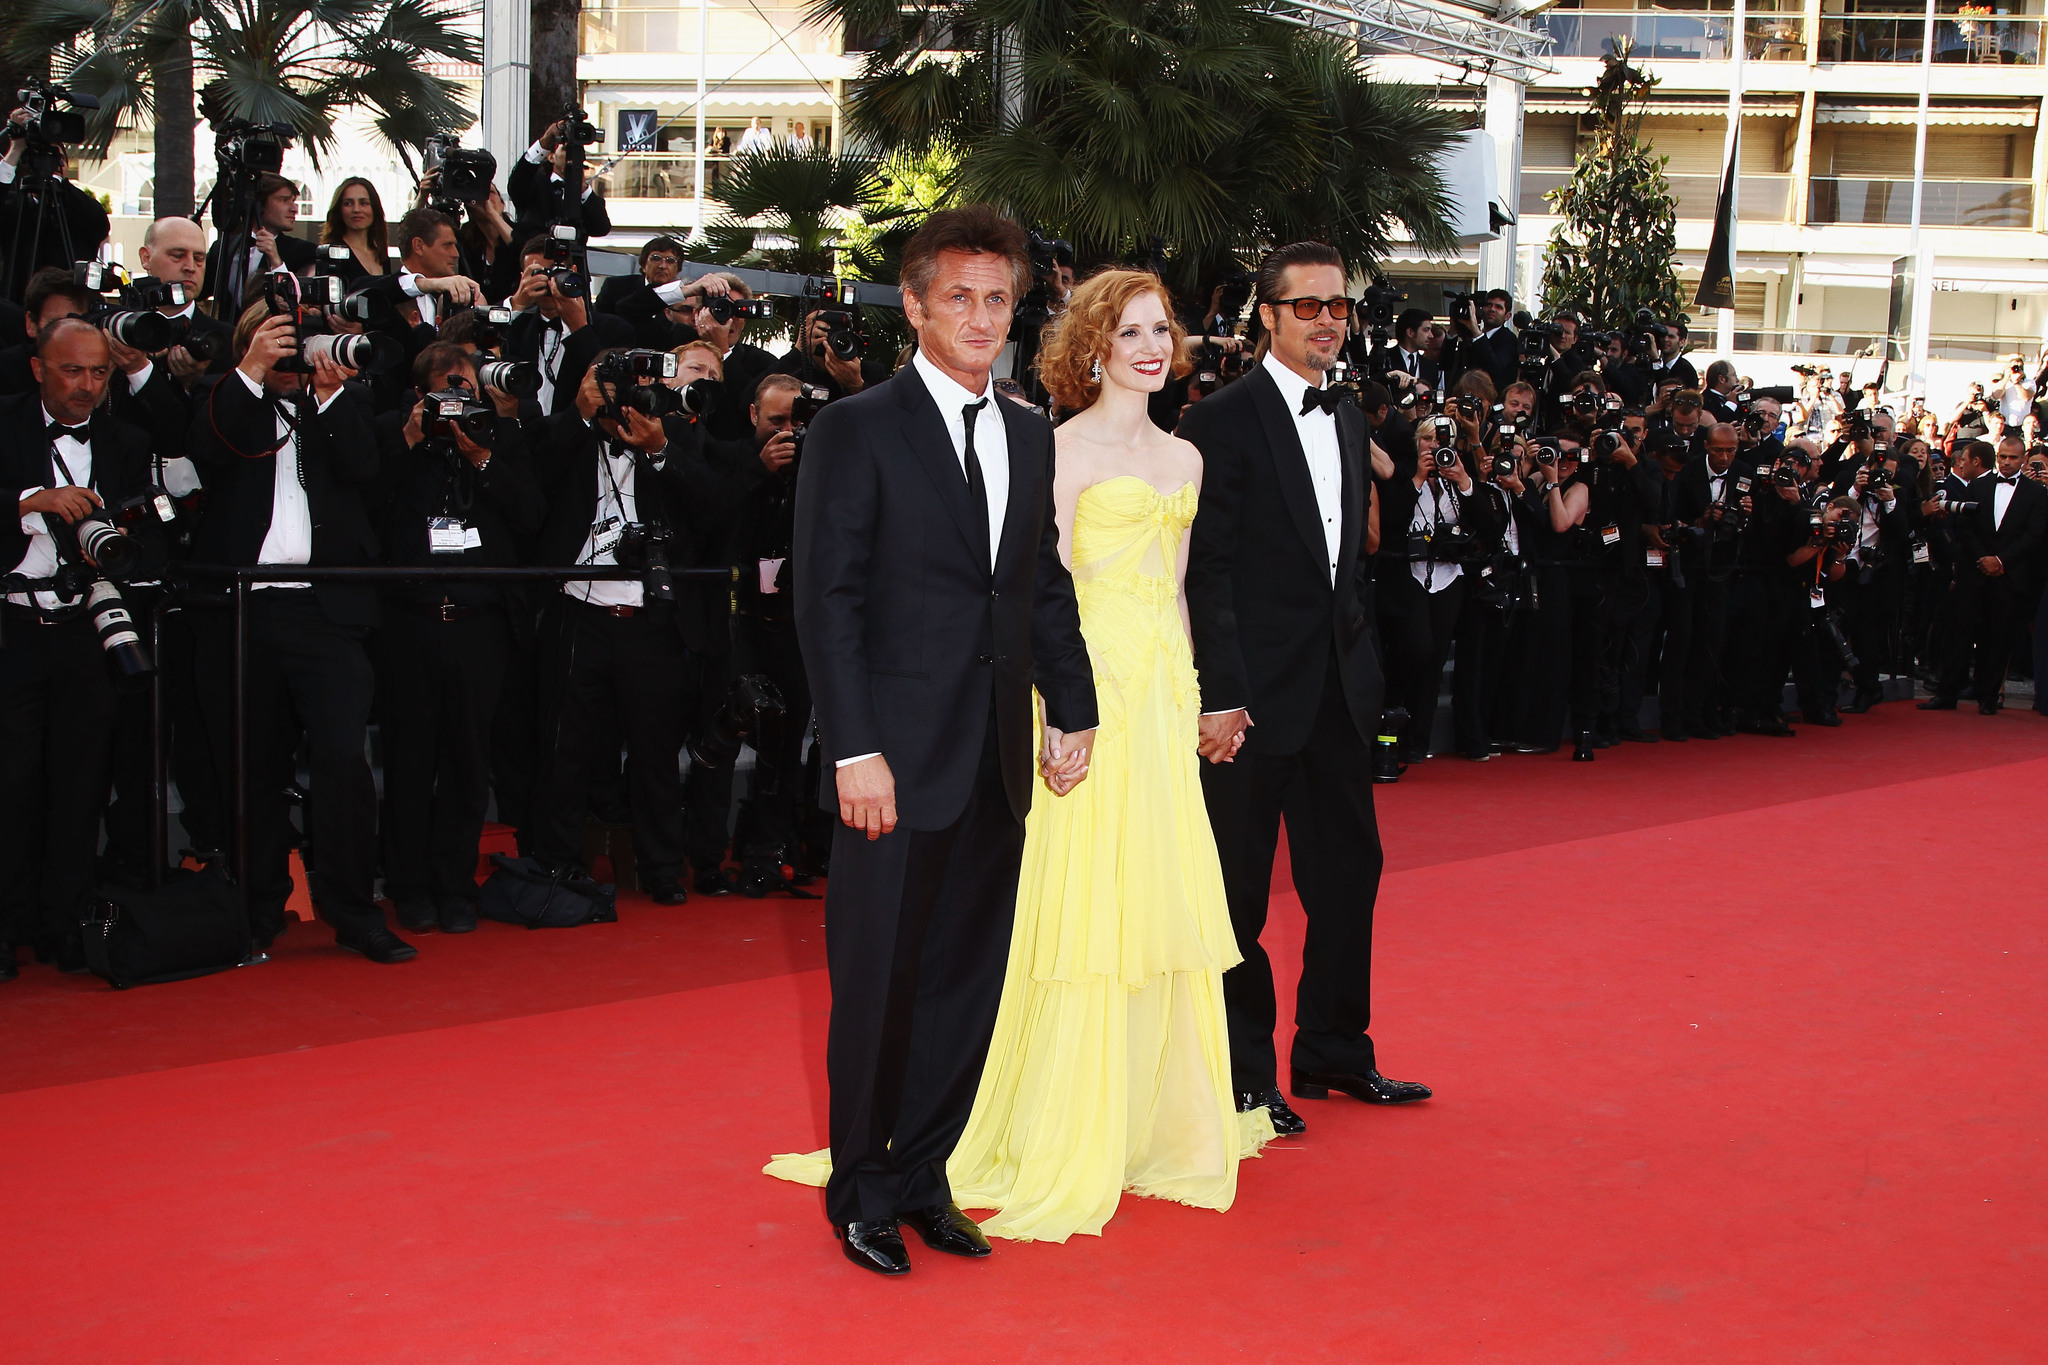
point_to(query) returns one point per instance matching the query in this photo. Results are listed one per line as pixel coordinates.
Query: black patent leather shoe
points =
(1286, 1122)
(668, 891)
(944, 1228)
(875, 1246)
(379, 945)
(712, 881)
(1936, 704)
(1864, 701)
(1987, 708)
(1368, 1086)
(456, 915)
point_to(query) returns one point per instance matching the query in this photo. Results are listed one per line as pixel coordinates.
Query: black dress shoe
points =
(1286, 1122)
(669, 891)
(1534, 748)
(9, 968)
(417, 917)
(1638, 736)
(1864, 701)
(712, 881)
(1475, 755)
(1936, 704)
(379, 945)
(1369, 1086)
(1772, 726)
(1987, 708)
(457, 915)
(944, 1228)
(759, 882)
(1673, 735)
(875, 1246)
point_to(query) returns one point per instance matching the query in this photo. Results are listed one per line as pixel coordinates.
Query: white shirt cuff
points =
(141, 376)
(857, 758)
(6, 172)
(1230, 712)
(670, 293)
(32, 522)
(409, 284)
(536, 154)
(253, 386)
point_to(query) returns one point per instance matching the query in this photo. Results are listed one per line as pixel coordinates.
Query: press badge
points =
(771, 569)
(1654, 558)
(604, 537)
(446, 536)
(1920, 555)
(166, 510)
(1610, 535)
(1817, 598)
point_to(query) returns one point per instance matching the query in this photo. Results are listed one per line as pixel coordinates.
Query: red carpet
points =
(1735, 1047)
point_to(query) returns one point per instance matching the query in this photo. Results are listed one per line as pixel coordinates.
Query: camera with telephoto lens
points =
(1832, 622)
(1501, 466)
(1586, 405)
(1647, 337)
(752, 698)
(803, 410)
(488, 327)
(368, 307)
(458, 408)
(644, 547)
(519, 378)
(369, 353)
(723, 308)
(1607, 442)
(1545, 449)
(126, 312)
(1785, 474)
(632, 380)
(467, 173)
(564, 267)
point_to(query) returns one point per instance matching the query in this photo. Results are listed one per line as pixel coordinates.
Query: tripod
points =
(36, 184)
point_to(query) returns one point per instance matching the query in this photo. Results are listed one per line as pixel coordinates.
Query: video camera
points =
(48, 126)
(467, 173)
(257, 148)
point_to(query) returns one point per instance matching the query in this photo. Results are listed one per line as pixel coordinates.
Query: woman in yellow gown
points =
(1109, 1069)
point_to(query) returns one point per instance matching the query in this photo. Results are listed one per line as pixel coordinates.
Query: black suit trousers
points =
(595, 665)
(437, 697)
(190, 756)
(769, 646)
(57, 710)
(917, 936)
(306, 673)
(1989, 615)
(1324, 793)
(1417, 627)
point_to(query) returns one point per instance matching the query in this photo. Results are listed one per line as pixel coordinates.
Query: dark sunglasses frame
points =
(1339, 309)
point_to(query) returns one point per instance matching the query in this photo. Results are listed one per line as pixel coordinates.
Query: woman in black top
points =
(356, 220)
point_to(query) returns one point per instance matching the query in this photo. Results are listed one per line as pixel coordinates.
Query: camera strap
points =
(62, 473)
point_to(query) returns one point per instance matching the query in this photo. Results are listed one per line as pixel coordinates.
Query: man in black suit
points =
(614, 653)
(271, 245)
(1279, 588)
(644, 299)
(444, 497)
(930, 599)
(52, 296)
(1715, 495)
(60, 460)
(1496, 349)
(2001, 542)
(174, 251)
(1389, 363)
(59, 209)
(744, 363)
(286, 464)
(812, 362)
(559, 334)
(539, 193)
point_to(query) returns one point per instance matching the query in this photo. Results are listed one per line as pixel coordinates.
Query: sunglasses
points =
(1307, 309)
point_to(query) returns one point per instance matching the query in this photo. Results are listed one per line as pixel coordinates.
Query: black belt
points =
(36, 616)
(446, 611)
(605, 610)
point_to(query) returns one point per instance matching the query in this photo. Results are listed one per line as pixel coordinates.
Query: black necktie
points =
(1326, 399)
(977, 487)
(58, 431)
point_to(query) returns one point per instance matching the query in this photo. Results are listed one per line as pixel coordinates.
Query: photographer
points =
(455, 487)
(426, 279)
(718, 294)
(287, 452)
(1723, 383)
(618, 649)
(1495, 638)
(53, 295)
(2013, 392)
(816, 359)
(1623, 375)
(556, 331)
(2001, 529)
(1712, 502)
(1770, 605)
(1873, 589)
(1491, 344)
(644, 300)
(539, 197)
(80, 216)
(271, 245)
(1572, 353)
(63, 463)
(1670, 362)
(1431, 522)
(1624, 496)
(174, 251)
(1403, 364)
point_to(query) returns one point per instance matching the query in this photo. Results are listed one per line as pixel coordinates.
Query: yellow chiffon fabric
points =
(1109, 1069)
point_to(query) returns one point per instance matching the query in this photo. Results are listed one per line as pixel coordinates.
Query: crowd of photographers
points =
(1574, 521)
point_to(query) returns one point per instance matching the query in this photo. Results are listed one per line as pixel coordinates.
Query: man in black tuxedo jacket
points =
(52, 296)
(930, 599)
(271, 245)
(559, 334)
(61, 457)
(2000, 544)
(538, 191)
(174, 251)
(286, 465)
(1279, 589)
(1405, 356)
(744, 363)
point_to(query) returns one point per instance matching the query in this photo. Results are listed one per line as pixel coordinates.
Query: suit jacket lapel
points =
(1025, 487)
(1351, 439)
(924, 431)
(1290, 462)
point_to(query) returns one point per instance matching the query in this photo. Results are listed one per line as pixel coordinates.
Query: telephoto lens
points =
(114, 553)
(117, 632)
(1386, 745)
(515, 377)
(1582, 747)
(139, 331)
(369, 353)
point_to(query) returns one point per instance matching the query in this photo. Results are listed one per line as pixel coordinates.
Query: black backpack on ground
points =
(522, 892)
(190, 926)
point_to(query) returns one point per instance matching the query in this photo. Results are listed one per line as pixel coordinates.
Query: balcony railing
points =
(734, 29)
(1997, 41)
(1853, 345)
(1945, 203)
(661, 175)
(1666, 36)
(1761, 198)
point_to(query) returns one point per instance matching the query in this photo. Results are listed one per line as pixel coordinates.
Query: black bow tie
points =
(1328, 400)
(2010, 480)
(58, 431)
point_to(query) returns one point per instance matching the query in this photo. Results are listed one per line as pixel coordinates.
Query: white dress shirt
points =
(290, 537)
(538, 154)
(759, 140)
(1436, 504)
(429, 306)
(617, 505)
(1318, 433)
(2001, 498)
(73, 467)
(991, 442)
(554, 339)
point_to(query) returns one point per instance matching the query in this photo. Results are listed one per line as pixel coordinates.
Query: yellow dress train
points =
(1109, 1069)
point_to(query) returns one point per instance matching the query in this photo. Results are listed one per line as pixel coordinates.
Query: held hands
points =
(1222, 735)
(867, 796)
(1065, 761)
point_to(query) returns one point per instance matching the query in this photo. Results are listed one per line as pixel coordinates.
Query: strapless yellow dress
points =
(1109, 1069)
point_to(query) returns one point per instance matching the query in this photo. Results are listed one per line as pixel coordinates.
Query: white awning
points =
(1952, 275)
(1908, 115)
(718, 97)
(1753, 106)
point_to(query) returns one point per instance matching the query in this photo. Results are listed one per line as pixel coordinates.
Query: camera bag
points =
(190, 926)
(522, 892)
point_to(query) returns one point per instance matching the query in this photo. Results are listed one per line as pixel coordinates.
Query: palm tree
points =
(807, 212)
(1195, 130)
(299, 62)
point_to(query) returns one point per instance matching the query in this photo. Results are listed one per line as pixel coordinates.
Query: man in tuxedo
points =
(52, 296)
(287, 456)
(1670, 362)
(744, 363)
(174, 250)
(539, 191)
(930, 600)
(271, 244)
(61, 459)
(2000, 543)
(1709, 496)
(557, 333)
(1279, 589)
(1405, 356)
(1497, 349)
(644, 300)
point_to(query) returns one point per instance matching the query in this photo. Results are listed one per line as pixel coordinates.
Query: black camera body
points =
(644, 547)
(253, 148)
(620, 376)
(724, 308)
(467, 173)
(488, 328)
(1608, 442)
(565, 262)
(752, 699)
(128, 308)
(458, 409)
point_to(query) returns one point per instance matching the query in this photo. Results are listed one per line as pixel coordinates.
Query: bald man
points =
(62, 458)
(174, 250)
